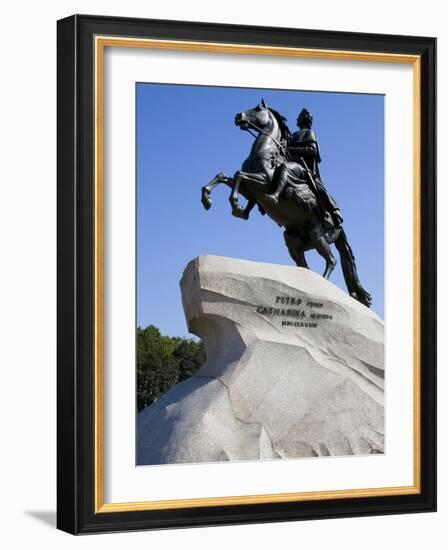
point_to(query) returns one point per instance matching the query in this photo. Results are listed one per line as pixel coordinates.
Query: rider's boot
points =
(281, 179)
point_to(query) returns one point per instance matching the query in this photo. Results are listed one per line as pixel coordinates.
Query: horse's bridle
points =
(261, 131)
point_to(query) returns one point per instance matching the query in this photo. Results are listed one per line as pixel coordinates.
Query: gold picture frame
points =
(102, 33)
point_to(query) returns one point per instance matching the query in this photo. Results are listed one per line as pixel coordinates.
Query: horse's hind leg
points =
(207, 189)
(295, 248)
(321, 245)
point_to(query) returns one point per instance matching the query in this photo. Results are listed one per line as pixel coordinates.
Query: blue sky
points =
(186, 135)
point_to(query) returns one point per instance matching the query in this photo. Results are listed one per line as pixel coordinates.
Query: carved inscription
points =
(292, 311)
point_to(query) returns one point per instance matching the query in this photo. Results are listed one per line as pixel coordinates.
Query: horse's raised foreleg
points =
(243, 213)
(237, 210)
(234, 193)
(241, 177)
(207, 189)
(320, 243)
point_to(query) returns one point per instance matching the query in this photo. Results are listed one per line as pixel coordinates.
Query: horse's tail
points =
(348, 265)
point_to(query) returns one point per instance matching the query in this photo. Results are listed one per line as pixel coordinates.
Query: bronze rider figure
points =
(304, 148)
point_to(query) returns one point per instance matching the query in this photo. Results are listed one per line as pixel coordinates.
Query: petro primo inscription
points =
(294, 312)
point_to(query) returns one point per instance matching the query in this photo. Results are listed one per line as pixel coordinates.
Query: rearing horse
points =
(297, 209)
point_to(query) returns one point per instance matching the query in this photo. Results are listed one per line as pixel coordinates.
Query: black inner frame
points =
(75, 309)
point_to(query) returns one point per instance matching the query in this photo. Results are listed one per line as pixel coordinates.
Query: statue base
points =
(295, 368)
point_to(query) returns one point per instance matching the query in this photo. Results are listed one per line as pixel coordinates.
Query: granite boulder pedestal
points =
(295, 368)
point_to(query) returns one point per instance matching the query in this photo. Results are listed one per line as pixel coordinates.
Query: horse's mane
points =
(284, 130)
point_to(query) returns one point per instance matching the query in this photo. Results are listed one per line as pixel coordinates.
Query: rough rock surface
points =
(274, 385)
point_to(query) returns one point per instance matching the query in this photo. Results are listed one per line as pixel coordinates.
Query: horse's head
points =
(258, 117)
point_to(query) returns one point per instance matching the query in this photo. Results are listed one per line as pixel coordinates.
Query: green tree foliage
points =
(163, 361)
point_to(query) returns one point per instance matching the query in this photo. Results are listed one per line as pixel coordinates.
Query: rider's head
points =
(304, 119)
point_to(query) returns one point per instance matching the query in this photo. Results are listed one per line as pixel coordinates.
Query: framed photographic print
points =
(246, 274)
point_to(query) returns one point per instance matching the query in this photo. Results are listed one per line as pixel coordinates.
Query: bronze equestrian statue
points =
(281, 175)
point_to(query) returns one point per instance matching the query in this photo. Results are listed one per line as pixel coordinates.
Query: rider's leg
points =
(280, 180)
(295, 248)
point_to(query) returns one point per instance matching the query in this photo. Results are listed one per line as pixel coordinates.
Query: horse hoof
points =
(206, 202)
(239, 212)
